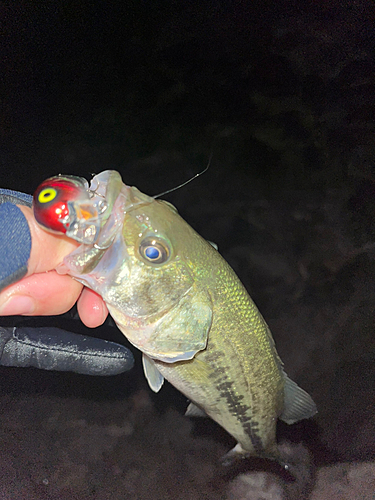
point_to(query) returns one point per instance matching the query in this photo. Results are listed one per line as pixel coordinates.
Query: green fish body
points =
(177, 300)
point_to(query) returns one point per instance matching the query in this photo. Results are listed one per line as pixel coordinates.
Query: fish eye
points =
(154, 250)
(47, 195)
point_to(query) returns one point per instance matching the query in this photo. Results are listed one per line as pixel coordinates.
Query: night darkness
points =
(282, 95)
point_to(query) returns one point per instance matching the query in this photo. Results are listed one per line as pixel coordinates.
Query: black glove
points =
(55, 349)
(47, 348)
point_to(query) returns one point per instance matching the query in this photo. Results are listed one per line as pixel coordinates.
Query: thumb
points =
(42, 291)
(47, 249)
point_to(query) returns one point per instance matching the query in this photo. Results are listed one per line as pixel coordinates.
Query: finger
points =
(47, 249)
(91, 308)
(39, 295)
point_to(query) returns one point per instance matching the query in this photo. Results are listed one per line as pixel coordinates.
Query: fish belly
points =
(246, 403)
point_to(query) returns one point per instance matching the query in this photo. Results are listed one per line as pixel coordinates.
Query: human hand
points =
(30, 286)
(42, 291)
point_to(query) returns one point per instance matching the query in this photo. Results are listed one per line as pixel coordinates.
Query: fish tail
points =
(235, 454)
(238, 453)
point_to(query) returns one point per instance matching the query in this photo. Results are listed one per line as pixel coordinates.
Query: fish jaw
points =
(177, 334)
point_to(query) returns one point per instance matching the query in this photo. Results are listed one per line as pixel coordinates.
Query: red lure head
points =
(51, 201)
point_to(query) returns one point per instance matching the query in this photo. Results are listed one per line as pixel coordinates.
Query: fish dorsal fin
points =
(297, 403)
(154, 378)
(194, 411)
(213, 245)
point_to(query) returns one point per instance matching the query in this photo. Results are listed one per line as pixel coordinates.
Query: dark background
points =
(283, 96)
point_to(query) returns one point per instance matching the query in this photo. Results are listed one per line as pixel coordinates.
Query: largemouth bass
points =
(177, 300)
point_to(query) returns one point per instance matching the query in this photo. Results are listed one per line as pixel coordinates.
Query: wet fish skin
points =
(193, 320)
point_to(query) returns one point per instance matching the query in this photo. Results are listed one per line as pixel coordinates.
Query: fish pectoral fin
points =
(297, 403)
(154, 378)
(183, 331)
(194, 411)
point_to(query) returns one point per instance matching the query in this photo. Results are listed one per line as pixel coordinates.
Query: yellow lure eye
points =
(47, 195)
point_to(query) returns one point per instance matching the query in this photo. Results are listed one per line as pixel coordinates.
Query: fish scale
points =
(176, 299)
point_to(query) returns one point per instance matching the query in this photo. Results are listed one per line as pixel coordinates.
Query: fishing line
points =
(189, 180)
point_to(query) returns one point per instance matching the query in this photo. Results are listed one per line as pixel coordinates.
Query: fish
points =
(177, 300)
